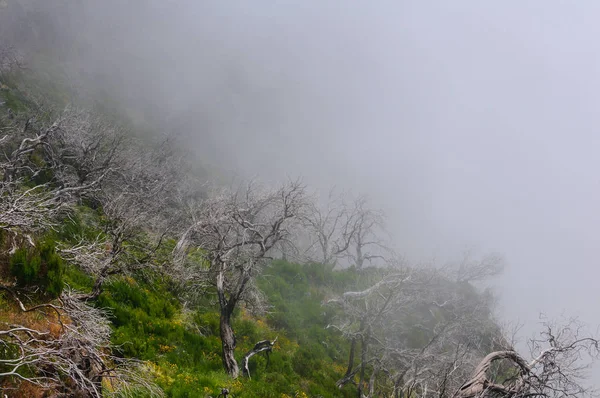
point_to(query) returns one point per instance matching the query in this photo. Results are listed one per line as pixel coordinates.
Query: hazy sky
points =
(471, 123)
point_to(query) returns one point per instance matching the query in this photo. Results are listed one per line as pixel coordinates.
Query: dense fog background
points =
(472, 124)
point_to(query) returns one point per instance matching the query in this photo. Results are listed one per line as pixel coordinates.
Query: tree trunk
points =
(398, 391)
(372, 381)
(359, 255)
(363, 358)
(98, 287)
(225, 329)
(351, 357)
(228, 345)
(350, 371)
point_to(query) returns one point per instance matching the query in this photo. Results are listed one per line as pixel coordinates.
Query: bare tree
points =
(73, 359)
(353, 231)
(560, 357)
(27, 204)
(235, 232)
(473, 269)
(365, 313)
(136, 201)
(367, 244)
(48, 167)
(87, 149)
(45, 166)
(412, 331)
(330, 229)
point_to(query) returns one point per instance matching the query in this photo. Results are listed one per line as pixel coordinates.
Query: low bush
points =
(39, 265)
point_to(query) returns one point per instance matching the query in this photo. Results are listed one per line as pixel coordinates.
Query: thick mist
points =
(471, 124)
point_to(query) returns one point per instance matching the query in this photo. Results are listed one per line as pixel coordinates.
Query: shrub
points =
(53, 267)
(39, 266)
(24, 268)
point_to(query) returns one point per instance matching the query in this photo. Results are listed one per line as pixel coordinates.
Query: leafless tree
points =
(414, 330)
(45, 166)
(560, 357)
(340, 230)
(367, 243)
(27, 205)
(48, 167)
(136, 201)
(73, 359)
(331, 228)
(472, 269)
(234, 232)
(87, 149)
(365, 312)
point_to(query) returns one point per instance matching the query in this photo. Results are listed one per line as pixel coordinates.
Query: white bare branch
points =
(77, 360)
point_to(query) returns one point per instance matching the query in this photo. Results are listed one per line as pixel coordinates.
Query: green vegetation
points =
(39, 266)
(182, 346)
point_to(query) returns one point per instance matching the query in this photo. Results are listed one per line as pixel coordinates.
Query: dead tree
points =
(472, 269)
(32, 195)
(560, 357)
(72, 359)
(136, 202)
(234, 232)
(412, 331)
(25, 207)
(367, 244)
(339, 229)
(87, 149)
(365, 314)
(46, 166)
(330, 229)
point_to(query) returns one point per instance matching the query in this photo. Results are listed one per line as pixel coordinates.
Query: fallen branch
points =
(265, 346)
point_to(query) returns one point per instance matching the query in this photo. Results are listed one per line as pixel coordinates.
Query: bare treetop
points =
(234, 231)
(340, 230)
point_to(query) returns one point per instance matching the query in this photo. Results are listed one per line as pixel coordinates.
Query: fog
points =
(471, 124)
